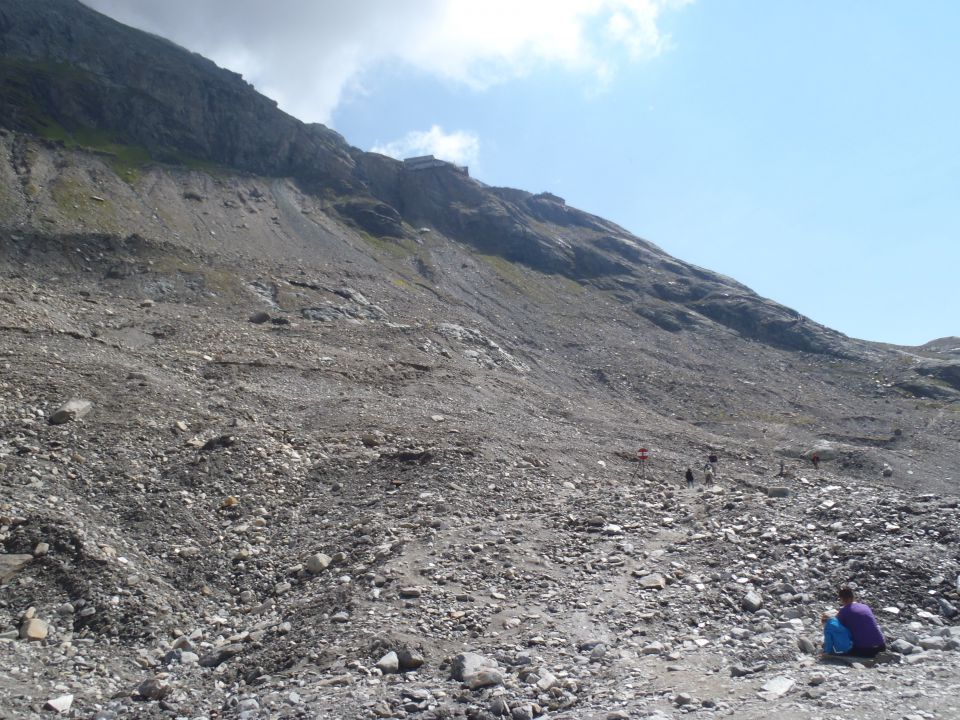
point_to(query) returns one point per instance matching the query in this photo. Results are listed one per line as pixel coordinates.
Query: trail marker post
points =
(642, 456)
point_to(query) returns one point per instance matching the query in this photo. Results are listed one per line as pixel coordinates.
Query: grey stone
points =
(389, 663)
(499, 707)
(598, 653)
(154, 688)
(655, 581)
(485, 677)
(743, 670)
(902, 646)
(410, 659)
(947, 608)
(932, 642)
(317, 563)
(475, 671)
(220, 655)
(547, 680)
(751, 602)
(524, 712)
(71, 410)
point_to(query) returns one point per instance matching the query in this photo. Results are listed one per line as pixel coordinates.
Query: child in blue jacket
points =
(836, 637)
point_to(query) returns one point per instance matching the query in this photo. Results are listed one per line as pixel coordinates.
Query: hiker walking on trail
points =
(815, 459)
(868, 640)
(713, 460)
(708, 474)
(782, 470)
(689, 477)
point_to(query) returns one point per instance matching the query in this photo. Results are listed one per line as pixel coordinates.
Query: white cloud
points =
(460, 147)
(305, 53)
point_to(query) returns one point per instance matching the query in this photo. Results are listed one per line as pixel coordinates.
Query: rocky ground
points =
(312, 475)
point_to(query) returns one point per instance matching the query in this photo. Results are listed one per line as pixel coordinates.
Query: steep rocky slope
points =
(456, 433)
(347, 409)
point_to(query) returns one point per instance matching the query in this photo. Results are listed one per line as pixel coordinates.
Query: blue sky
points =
(807, 149)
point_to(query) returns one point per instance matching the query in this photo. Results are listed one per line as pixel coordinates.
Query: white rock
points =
(389, 663)
(777, 687)
(60, 704)
(34, 629)
(71, 410)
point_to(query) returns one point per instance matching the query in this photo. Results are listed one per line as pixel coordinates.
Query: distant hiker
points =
(815, 459)
(836, 636)
(689, 477)
(868, 640)
(713, 460)
(782, 470)
(708, 475)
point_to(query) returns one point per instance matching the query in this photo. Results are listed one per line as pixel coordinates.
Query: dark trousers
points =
(867, 652)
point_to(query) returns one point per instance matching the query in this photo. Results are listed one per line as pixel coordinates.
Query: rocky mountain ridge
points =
(70, 71)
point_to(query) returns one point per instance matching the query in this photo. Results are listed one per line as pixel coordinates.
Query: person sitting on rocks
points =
(836, 637)
(868, 640)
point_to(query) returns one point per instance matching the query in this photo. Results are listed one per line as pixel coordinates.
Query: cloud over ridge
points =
(305, 53)
(460, 147)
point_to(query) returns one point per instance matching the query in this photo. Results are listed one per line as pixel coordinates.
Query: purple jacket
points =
(859, 620)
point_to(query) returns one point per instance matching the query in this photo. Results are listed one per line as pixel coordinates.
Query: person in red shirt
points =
(868, 640)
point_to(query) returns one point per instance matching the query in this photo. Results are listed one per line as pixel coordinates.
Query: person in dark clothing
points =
(689, 477)
(815, 459)
(868, 640)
